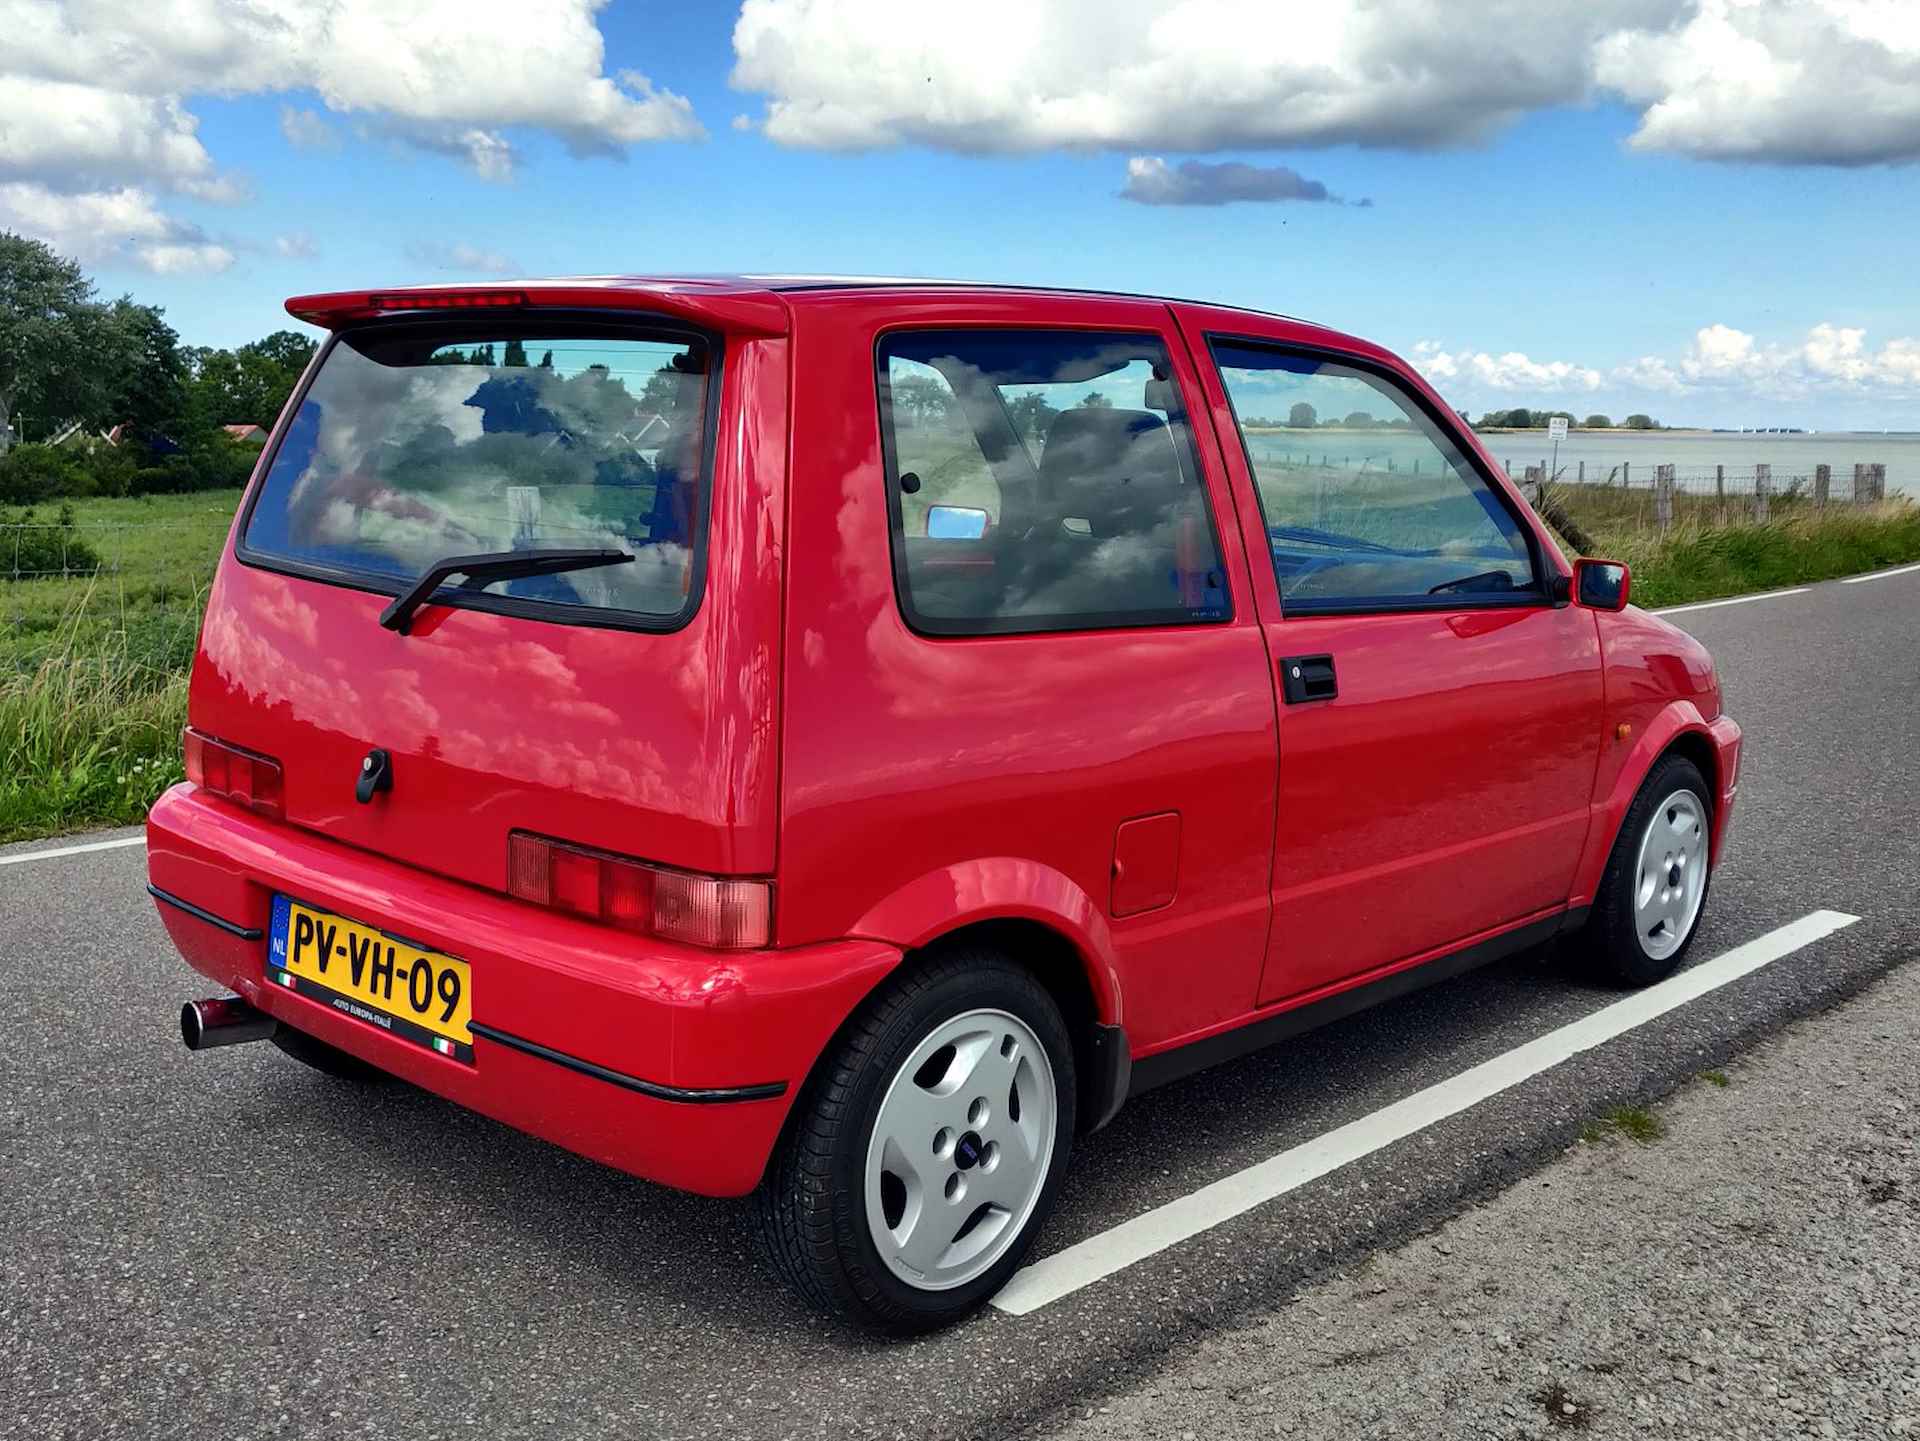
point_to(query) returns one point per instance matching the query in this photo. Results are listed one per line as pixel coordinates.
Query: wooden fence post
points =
(1878, 471)
(1663, 496)
(1859, 484)
(1822, 485)
(1762, 489)
(1583, 472)
(1626, 474)
(1720, 483)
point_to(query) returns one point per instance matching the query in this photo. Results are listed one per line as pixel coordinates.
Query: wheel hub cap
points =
(1670, 879)
(960, 1149)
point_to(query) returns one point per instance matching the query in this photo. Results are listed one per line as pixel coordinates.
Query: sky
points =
(1707, 210)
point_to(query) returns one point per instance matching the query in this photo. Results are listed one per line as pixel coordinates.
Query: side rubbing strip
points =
(700, 1096)
(246, 933)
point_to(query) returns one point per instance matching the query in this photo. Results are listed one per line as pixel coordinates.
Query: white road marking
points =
(1880, 575)
(1735, 600)
(73, 850)
(1085, 1262)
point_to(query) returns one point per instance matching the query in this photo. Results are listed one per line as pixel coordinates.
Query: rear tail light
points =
(246, 779)
(712, 911)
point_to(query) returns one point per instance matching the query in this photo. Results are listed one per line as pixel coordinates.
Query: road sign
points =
(1557, 428)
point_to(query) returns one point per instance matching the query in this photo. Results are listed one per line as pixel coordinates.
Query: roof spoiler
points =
(752, 312)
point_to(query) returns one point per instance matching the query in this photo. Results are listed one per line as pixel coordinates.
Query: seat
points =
(1115, 470)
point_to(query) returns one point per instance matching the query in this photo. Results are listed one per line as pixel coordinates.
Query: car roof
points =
(754, 300)
(798, 284)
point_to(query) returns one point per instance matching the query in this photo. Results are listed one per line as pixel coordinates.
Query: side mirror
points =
(1601, 584)
(956, 522)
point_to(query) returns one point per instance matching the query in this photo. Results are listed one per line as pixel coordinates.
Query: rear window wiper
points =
(483, 570)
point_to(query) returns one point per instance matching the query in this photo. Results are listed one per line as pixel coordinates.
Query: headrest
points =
(1115, 469)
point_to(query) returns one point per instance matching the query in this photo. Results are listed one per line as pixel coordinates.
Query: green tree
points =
(146, 384)
(546, 361)
(1096, 401)
(1031, 415)
(1303, 416)
(1357, 420)
(52, 338)
(1597, 422)
(922, 398)
(516, 355)
(1521, 419)
(1641, 422)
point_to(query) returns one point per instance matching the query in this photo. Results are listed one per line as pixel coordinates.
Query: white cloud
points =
(1829, 360)
(465, 258)
(77, 137)
(452, 63)
(94, 93)
(113, 226)
(1794, 81)
(1151, 181)
(307, 129)
(1479, 370)
(295, 245)
(1798, 81)
(1184, 75)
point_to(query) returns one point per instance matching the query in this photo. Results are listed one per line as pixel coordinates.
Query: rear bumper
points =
(1725, 734)
(666, 1061)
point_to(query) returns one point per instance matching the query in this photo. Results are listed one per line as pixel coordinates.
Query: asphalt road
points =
(229, 1245)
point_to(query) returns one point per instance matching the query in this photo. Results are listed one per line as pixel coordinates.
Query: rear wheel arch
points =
(1099, 1049)
(1061, 966)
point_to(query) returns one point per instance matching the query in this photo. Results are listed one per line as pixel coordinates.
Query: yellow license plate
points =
(417, 994)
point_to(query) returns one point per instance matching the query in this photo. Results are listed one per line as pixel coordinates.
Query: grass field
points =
(93, 670)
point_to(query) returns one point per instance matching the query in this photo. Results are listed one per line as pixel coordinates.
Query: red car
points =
(837, 740)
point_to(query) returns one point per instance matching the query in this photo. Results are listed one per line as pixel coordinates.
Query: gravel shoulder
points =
(1752, 1272)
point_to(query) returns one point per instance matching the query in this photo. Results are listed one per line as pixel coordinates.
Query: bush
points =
(32, 548)
(215, 464)
(31, 474)
(110, 468)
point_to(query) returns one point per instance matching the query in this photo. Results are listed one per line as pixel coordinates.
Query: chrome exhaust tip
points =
(223, 1021)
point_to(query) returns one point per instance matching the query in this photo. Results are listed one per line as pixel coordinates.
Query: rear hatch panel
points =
(652, 743)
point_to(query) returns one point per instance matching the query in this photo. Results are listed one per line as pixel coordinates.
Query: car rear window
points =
(413, 445)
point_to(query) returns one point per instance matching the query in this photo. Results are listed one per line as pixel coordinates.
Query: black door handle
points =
(1307, 678)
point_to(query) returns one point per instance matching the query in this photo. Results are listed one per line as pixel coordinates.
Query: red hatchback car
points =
(836, 740)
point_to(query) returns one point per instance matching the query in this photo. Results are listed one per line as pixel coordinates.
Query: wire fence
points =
(1626, 496)
(74, 586)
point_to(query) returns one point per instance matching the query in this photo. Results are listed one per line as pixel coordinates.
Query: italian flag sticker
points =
(444, 1047)
(285, 978)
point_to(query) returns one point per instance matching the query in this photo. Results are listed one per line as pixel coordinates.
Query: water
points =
(1692, 453)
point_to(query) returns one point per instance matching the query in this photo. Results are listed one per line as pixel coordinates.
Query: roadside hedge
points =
(35, 474)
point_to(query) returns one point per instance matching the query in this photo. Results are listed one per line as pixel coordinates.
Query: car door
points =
(1439, 709)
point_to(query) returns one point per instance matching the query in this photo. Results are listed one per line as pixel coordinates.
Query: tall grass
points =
(1696, 560)
(90, 724)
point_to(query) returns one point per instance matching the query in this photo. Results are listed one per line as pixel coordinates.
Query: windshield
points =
(410, 447)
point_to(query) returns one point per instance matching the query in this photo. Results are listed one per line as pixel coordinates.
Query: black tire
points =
(312, 1051)
(1611, 944)
(810, 1214)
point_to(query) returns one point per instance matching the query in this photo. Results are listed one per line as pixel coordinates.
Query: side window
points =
(1367, 501)
(1043, 480)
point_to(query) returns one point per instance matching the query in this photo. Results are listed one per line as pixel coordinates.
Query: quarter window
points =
(1043, 480)
(1368, 502)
